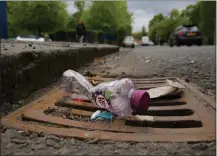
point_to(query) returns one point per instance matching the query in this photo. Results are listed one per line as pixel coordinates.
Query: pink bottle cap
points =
(140, 101)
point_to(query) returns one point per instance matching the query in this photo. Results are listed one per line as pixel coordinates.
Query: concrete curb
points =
(26, 72)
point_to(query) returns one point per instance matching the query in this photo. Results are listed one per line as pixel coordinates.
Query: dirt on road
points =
(194, 64)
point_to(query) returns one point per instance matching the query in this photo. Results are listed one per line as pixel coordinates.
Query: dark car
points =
(186, 35)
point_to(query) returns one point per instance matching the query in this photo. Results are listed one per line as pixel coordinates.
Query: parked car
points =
(30, 38)
(145, 40)
(129, 41)
(151, 43)
(185, 35)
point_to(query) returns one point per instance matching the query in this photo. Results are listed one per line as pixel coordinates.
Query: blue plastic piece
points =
(105, 116)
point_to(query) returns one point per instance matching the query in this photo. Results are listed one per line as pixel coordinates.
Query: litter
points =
(102, 115)
(119, 97)
(187, 118)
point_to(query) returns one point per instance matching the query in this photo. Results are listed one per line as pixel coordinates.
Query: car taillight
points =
(198, 33)
(180, 33)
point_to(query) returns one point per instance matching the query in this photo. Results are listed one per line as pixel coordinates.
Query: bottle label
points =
(102, 102)
(102, 98)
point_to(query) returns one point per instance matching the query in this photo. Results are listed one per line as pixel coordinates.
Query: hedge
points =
(90, 37)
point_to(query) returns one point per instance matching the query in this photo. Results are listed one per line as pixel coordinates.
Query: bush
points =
(92, 36)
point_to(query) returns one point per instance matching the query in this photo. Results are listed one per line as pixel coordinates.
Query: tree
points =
(124, 20)
(144, 33)
(38, 16)
(109, 16)
(208, 18)
(137, 35)
(174, 14)
(187, 12)
(153, 27)
(80, 5)
(100, 16)
(74, 18)
(201, 14)
(156, 19)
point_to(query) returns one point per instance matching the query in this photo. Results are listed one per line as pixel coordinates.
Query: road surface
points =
(195, 64)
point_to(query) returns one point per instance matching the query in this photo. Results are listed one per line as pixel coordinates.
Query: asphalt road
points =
(195, 64)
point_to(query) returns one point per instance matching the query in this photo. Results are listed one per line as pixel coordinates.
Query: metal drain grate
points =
(176, 119)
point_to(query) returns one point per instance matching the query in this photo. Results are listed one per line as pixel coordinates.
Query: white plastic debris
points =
(147, 61)
(144, 118)
(95, 114)
(174, 88)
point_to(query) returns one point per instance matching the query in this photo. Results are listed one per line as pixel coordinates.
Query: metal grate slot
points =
(166, 124)
(176, 119)
(173, 112)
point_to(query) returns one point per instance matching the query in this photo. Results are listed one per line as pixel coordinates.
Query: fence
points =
(90, 37)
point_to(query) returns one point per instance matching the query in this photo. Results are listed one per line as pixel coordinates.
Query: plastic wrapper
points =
(75, 86)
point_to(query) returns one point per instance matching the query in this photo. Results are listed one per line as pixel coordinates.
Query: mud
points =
(65, 113)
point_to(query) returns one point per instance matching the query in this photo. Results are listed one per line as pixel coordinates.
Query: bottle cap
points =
(140, 101)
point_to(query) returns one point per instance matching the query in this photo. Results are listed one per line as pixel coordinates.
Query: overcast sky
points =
(144, 10)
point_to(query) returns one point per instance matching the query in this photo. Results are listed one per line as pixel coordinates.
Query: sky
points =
(144, 10)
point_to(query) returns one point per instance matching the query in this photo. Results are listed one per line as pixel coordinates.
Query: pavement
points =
(195, 64)
(14, 47)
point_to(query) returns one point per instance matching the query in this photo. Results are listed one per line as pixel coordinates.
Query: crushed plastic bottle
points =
(119, 97)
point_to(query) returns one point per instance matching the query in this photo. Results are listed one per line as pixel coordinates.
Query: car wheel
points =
(133, 46)
(177, 43)
(124, 45)
(189, 45)
(172, 42)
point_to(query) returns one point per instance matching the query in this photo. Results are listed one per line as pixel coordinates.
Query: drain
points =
(65, 113)
(166, 124)
(174, 112)
(174, 119)
(168, 103)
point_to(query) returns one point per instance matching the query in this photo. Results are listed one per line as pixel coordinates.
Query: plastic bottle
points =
(119, 97)
(75, 86)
